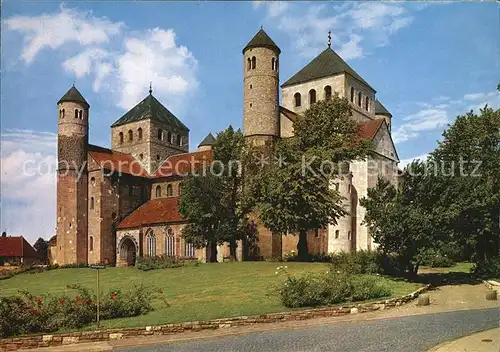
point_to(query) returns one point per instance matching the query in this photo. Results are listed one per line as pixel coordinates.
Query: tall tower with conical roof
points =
(72, 186)
(261, 81)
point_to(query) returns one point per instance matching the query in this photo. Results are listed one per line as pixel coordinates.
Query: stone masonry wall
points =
(288, 93)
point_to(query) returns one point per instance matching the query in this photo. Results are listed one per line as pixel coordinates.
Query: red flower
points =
(38, 300)
(77, 298)
(61, 301)
(84, 301)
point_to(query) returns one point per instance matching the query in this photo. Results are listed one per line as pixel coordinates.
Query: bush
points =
(359, 262)
(330, 288)
(489, 269)
(434, 258)
(25, 313)
(161, 262)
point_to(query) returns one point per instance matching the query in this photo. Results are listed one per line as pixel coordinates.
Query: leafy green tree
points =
(42, 247)
(292, 195)
(468, 164)
(212, 200)
(402, 219)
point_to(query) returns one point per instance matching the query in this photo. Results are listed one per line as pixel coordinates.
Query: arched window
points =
(130, 135)
(249, 64)
(160, 134)
(151, 241)
(328, 92)
(254, 62)
(337, 233)
(139, 133)
(272, 63)
(141, 156)
(359, 99)
(312, 96)
(352, 94)
(169, 137)
(189, 250)
(158, 191)
(297, 99)
(348, 235)
(76, 113)
(170, 243)
(91, 243)
(91, 202)
(121, 137)
(179, 140)
(80, 114)
(61, 114)
(367, 103)
(174, 137)
(92, 181)
(158, 157)
(170, 190)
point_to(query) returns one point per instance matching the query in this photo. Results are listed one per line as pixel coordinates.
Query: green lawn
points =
(204, 292)
(463, 267)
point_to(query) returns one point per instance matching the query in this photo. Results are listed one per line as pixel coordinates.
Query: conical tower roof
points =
(208, 141)
(73, 95)
(261, 39)
(328, 63)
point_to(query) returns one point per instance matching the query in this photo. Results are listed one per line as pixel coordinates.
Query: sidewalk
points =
(485, 341)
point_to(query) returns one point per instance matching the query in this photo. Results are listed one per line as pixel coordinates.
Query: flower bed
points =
(26, 313)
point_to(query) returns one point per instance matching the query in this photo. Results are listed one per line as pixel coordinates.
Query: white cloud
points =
(54, 30)
(436, 116)
(425, 120)
(122, 67)
(480, 96)
(155, 57)
(82, 64)
(355, 26)
(404, 162)
(28, 183)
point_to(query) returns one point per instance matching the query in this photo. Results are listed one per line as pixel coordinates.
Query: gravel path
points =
(410, 333)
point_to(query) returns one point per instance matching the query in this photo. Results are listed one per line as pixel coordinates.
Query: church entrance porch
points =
(127, 252)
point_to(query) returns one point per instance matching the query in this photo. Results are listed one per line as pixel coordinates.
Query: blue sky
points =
(428, 63)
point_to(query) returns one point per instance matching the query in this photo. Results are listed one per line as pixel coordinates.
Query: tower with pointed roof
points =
(260, 82)
(150, 133)
(72, 186)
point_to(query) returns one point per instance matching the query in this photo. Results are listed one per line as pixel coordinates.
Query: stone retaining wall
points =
(12, 344)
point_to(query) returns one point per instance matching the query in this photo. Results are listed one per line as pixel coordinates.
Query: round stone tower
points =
(72, 186)
(261, 81)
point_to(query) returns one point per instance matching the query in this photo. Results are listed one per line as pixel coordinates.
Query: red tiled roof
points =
(17, 247)
(369, 129)
(182, 164)
(155, 211)
(116, 161)
(292, 116)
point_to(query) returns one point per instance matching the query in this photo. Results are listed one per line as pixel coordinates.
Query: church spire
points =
(150, 87)
(329, 39)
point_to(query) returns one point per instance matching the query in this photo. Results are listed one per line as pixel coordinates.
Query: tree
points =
(212, 201)
(42, 246)
(468, 164)
(292, 194)
(403, 220)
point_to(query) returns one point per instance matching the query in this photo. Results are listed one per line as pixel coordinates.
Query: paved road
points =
(411, 333)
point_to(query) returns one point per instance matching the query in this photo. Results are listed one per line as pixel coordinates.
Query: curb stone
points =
(51, 340)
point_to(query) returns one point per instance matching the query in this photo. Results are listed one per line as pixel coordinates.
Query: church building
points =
(116, 204)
